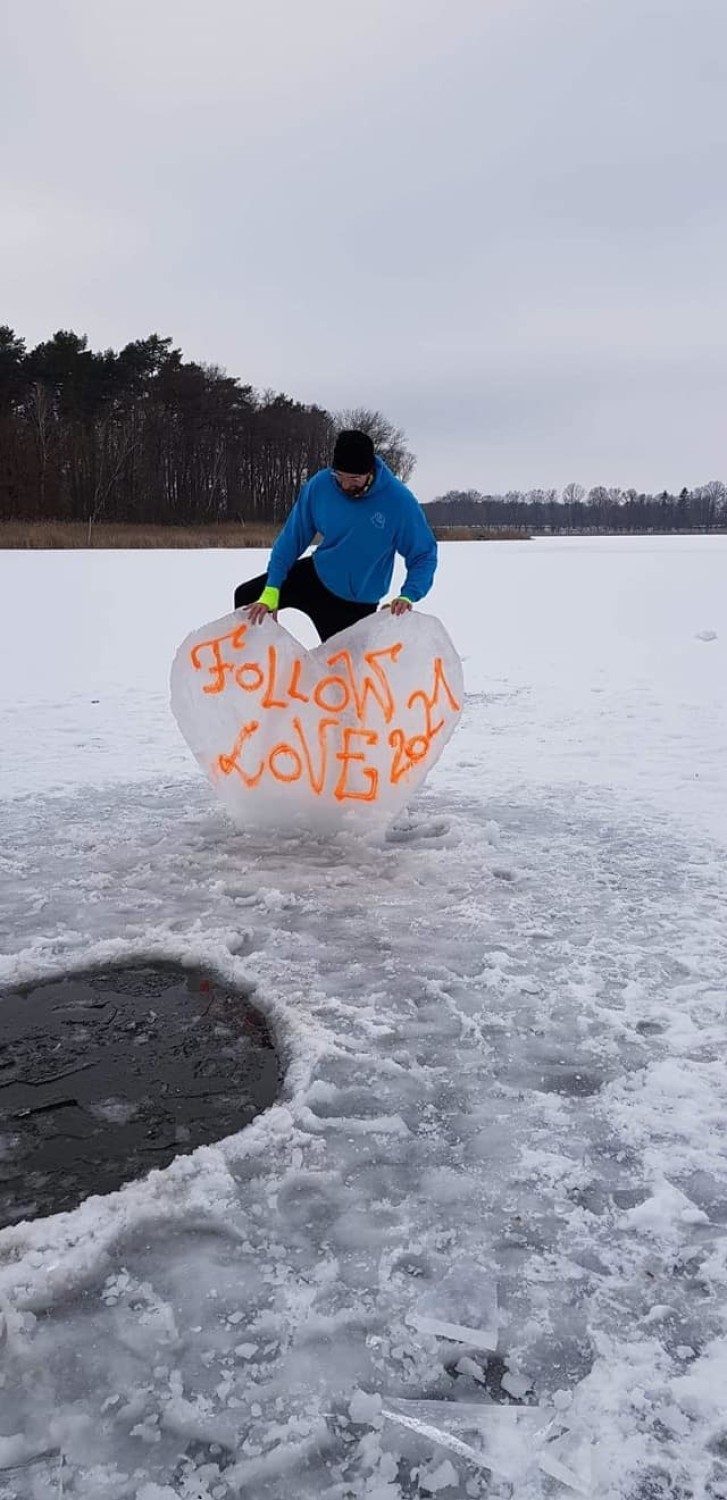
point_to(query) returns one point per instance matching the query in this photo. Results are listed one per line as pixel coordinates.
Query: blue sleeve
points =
(419, 551)
(297, 534)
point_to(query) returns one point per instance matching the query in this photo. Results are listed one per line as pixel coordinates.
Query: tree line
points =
(144, 436)
(575, 510)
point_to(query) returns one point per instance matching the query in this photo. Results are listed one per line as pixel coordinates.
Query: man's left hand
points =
(400, 606)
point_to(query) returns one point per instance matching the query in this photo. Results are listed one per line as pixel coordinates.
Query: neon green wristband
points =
(270, 597)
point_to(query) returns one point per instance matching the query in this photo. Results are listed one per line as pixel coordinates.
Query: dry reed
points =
(46, 535)
(480, 534)
(63, 535)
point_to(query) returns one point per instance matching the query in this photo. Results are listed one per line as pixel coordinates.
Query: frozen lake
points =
(599, 635)
(504, 1032)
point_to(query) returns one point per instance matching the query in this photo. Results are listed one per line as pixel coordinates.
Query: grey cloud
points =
(503, 222)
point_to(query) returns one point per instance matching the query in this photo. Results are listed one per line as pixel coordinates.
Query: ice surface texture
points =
(503, 1028)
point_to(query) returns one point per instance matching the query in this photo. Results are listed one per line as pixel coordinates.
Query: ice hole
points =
(108, 1073)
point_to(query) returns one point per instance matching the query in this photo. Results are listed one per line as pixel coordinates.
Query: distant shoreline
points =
(71, 535)
(59, 536)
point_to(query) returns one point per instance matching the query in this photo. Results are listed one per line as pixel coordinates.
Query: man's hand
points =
(400, 606)
(258, 612)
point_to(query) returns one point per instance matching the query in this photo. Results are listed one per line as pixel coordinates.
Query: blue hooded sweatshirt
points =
(361, 538)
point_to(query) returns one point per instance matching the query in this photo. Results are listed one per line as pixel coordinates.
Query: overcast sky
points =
(501, 222)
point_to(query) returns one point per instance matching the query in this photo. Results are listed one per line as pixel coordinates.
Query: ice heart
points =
(345, 732)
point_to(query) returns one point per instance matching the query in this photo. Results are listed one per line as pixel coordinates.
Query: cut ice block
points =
(462, 1307)
(568, 1459)
(516, 1385)
(506, 1440)
(337, 737)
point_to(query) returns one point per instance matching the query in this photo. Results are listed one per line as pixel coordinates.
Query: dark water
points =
(105, 1075)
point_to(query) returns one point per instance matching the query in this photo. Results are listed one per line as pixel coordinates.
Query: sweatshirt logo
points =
(378, 519)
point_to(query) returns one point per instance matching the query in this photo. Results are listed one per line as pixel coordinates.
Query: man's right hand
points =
(259, 612)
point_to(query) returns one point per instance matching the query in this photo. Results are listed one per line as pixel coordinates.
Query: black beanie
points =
(354, 453)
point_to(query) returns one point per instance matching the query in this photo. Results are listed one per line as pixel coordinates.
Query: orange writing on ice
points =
(378, 686)
(317, 779)
(219, 667)
(331, 745)
(347, 757)
(233, 761)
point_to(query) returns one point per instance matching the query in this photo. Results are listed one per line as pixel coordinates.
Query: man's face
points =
(352, 485)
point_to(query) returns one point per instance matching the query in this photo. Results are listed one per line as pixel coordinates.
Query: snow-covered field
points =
(504, 1030)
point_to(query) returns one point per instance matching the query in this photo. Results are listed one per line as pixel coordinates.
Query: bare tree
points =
(712, 501)
(573, 494)
(42, 416)
(118, 443)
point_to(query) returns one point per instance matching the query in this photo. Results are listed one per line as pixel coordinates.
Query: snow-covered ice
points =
(504, 1032)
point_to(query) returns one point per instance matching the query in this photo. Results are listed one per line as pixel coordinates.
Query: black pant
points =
(303, 590)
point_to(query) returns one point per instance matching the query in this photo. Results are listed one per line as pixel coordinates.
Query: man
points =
(365, 516)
